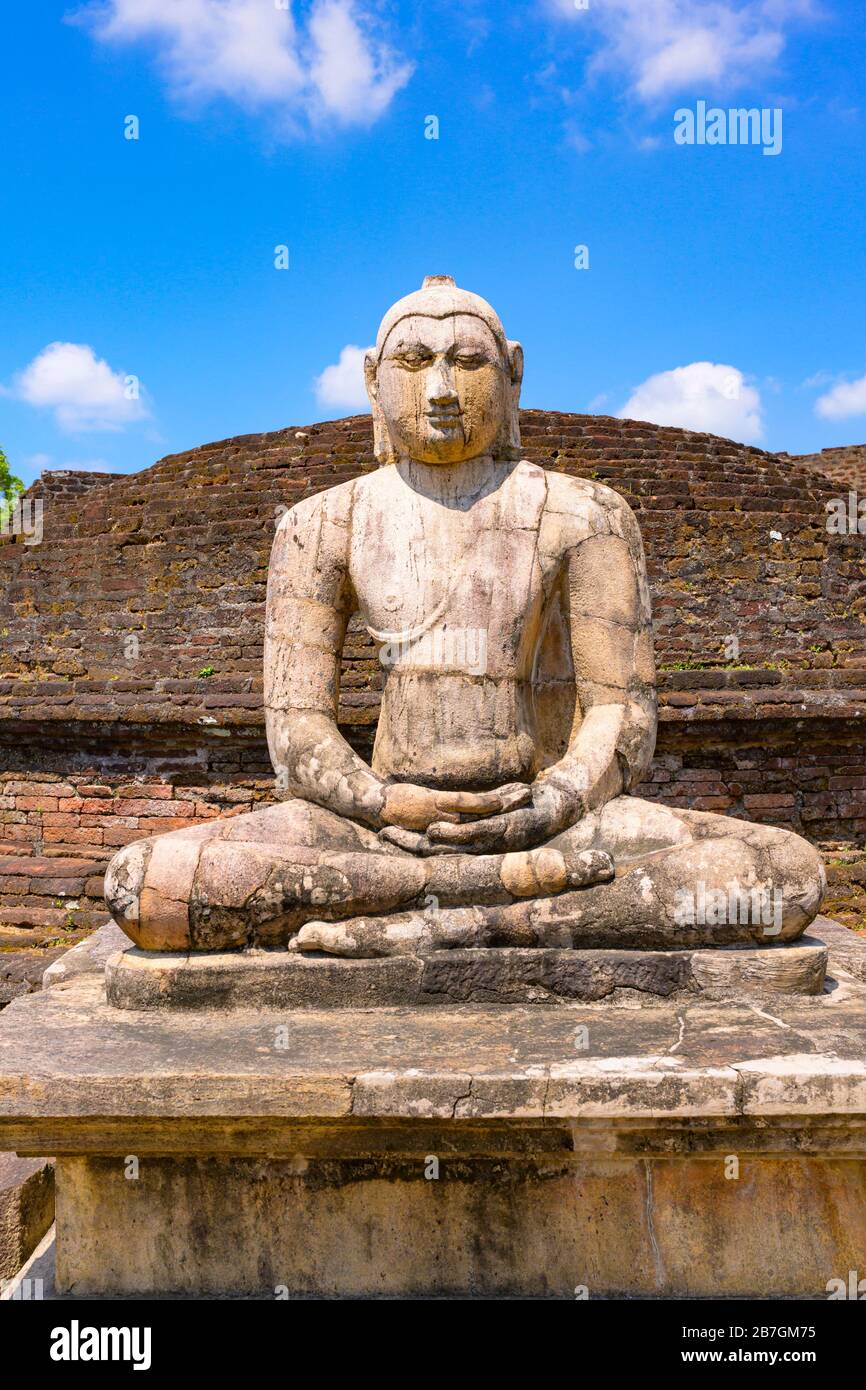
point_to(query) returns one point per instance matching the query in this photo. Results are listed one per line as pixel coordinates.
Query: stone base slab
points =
(690, 1146)
(282, 979)
(560, 1225)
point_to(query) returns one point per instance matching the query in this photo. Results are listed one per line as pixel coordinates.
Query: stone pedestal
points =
(493, 975)
(524, 1211)
(689, 1146)
(26, 1208)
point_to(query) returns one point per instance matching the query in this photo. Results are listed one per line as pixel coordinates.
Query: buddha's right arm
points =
(309, 603)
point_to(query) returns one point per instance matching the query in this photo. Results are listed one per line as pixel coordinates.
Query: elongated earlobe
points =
(382, 446)
(370, 382)
(510, 444)
(515, 356)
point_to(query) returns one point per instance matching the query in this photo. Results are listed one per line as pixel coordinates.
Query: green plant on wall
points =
(10, 487)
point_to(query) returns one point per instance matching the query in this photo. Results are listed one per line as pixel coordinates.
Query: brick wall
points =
(64, 484)
(844, 465)
(143, 582)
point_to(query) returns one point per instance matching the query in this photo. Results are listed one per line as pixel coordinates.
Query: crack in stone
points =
(682, 1023)
(657, 1257)
(544, 1098)
(459, 1100)
(771, 1019)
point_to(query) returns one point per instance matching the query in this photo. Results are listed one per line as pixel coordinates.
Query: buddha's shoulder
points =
(333, 505)
(576, 503)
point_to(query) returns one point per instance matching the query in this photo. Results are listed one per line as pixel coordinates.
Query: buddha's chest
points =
(451, 587)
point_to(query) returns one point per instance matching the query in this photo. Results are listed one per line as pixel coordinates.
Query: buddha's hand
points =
(554, 807)
(415, 808)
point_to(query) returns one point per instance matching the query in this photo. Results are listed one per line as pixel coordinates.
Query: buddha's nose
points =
(440, 384)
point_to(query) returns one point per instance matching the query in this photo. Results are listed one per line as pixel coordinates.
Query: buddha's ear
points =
(515, 358)
(382, 446)
(370, 377)
(510, 441)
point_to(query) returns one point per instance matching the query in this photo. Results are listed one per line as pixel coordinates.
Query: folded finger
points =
(409, 840)
(470, 833)
(485, 803)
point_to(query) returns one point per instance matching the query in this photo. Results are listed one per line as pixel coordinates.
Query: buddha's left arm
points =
(605, 597)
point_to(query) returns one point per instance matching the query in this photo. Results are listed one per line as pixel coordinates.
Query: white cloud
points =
(342, 383)
(252, 52)
(845, 399)
(706, 396)
(664, 46)
(355, 82)
(82, 390)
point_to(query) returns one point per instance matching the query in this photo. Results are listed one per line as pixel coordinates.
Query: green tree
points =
(10, 487)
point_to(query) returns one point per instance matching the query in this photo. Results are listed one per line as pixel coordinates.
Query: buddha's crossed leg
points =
(298, 874)
(683, 878)
(255, 879)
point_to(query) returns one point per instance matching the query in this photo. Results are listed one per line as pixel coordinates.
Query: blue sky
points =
(725, 287)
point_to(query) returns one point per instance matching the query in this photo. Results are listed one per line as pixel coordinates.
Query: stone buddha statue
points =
(512, 613)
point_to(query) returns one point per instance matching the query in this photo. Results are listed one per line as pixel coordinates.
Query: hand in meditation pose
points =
(512, 611)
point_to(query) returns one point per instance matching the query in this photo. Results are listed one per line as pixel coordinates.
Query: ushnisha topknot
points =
(438, 298)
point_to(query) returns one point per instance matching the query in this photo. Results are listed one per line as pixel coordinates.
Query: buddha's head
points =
(443, 379)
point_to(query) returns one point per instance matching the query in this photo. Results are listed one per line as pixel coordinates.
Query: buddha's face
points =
(443, 388)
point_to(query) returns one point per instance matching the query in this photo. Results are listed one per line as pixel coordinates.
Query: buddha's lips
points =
(445, 417)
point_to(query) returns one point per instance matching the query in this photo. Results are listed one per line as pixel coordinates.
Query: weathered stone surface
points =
(26, 1208)
(73, 1066)
(153, 980)
(89, 754)
(21, 971)
(484, 795)
(656, 1226)
(249, 979)
(35, 1278)
(89, 955)
(774, 734)
(849, 949)
(797, 968)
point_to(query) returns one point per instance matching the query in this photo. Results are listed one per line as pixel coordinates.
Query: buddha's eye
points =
(413, 360)
(470, 361)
